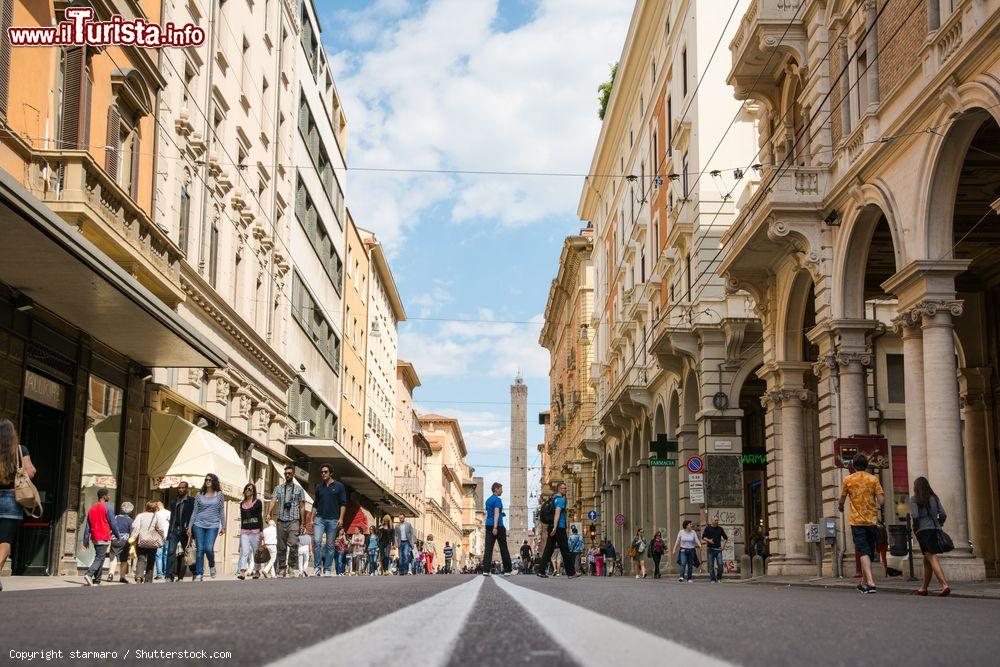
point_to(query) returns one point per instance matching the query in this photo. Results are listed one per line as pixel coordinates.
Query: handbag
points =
(944, 540)
(189, 554)
(150, 536)
(262, 555)
(24, 490)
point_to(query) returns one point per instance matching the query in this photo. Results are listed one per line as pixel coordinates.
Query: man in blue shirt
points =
(329, 506)
(557, 536)
(495, 531)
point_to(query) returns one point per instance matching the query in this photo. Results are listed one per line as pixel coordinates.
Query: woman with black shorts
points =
(12, 456)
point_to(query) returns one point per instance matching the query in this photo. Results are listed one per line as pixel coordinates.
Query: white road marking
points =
(428, 629)
(595, 639)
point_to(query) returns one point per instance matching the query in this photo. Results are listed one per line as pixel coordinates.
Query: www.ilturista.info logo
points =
(79, 29)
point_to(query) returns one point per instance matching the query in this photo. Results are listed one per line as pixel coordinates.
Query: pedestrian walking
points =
(687, 546)
(597, 556)
(147, 535)
(288, 505)
(405, 541)
(715, 538)
(637, 552)
(430, 551)
(99, 529)
(866, 495)
(177, 536)
(385, 544)
(305, 551)
(341, 545)
(610, 558)
(449, 553)
(208, 521)
(163, 518)
(13, 456)
(928, 516)
(251, 525)
(371, 546)
(576, 548)
(120, 547)
(357, 551)
(496, 532)
(657, 547)
(329, 505)
(525, 558)
(557, 535)
(270, 537)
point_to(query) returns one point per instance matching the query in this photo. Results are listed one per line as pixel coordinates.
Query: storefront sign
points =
(44, 391)
(724, 445)
(874, 446)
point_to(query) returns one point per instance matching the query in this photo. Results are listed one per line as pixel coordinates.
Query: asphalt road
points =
(460, 620)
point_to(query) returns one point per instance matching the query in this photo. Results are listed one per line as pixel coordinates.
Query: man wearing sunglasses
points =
(290, 501)
(329, 505)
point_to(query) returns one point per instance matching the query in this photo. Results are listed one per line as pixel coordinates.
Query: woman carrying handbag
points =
(147, 535)
(15, 468)
(928, 515)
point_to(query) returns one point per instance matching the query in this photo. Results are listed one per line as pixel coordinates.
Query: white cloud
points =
(444, 89)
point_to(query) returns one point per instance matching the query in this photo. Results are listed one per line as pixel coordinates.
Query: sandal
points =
(922, 593)
(945, 592)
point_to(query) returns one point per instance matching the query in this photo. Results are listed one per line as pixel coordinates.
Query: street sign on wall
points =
(695, 464)
(593, 515)
(619, 519)
(696, 488)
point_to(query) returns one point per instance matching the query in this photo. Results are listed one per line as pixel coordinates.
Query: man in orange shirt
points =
(866, 494)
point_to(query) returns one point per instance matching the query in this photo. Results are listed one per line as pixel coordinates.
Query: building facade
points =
(88, 302)
(862, 251)
(666, 332)
(575, 447)
(353, 406)
(446, 472)
(412, 448)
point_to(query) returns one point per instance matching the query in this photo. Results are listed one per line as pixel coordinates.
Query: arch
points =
(951, 149)
(790, 334)
(645, 437)
(674, 414)
(692, 400)
(849, 302)
(745, 371)
(659, 420)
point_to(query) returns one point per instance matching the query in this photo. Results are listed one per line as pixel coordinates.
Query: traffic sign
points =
(695, 464)
(593, 515)
(619, 519)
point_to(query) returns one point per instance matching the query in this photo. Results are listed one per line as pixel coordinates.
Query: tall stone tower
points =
(517, 513)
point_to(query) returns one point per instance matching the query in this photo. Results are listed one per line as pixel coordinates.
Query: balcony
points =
(638, 234)
(73, 185)
(627, 398)
(665, 262)
(767, 25)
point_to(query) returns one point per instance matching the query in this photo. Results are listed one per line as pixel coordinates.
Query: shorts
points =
(9, 507)
(864, 538)
(120, 549)
(8, 530)
(928, 540)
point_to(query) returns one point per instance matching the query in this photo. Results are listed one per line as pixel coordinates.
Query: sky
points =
(480, 85)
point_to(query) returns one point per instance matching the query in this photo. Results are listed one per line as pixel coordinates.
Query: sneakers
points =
(638, 577)
(87, 581)
(211, 572)
(542, 575)
(199, 577)
(680, 579)
(507, 574)
(863, 588)
(318, 572)
(487, 574)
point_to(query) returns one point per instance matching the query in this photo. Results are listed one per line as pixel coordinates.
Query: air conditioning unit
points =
(303, 429)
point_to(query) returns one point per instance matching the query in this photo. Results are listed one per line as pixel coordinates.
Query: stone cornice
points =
(202, 295)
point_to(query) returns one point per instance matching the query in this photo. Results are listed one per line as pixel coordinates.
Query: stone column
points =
(979, 468)
(646, 495)
(913, 375)
(853, 392)
(845, 92)
(658, 497)
(943, 424)
(635, 500)
(871, 50)
(794, 494)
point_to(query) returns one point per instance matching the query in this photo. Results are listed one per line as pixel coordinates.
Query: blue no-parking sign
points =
(695, 464)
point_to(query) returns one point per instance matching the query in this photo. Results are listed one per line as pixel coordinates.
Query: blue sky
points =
(494, 85)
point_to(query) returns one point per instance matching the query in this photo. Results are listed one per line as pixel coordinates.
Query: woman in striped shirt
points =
(208, 521)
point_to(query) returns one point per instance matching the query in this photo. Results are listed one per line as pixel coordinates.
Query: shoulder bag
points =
(944, 540)
(262, 554)
(150, 536)
(24, 490)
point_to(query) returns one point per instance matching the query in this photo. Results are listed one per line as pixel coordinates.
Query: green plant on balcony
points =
(604, 92)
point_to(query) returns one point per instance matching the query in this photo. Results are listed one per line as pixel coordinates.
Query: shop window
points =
(102, 445)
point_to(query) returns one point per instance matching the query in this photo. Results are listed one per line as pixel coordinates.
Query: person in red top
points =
(100, 528)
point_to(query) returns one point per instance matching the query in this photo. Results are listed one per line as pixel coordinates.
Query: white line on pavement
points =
(595, 639)
(428, 629)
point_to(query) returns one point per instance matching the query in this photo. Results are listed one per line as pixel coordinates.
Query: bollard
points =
(758, 566)
(745, 572)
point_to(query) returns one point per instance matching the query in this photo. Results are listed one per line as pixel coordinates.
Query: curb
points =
(892, 590)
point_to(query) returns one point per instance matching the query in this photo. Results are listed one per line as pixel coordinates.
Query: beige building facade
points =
(446, 474)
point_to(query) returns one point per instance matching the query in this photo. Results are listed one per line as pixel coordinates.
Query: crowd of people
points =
(279, 537)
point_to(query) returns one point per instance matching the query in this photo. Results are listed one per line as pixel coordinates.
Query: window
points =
(670, 129)
(862, 83)
(76, 83)
(307, 312)
(308, 40)
(684, 71)
(320, 159)
(318, 237)
(895, 378)
(687, 185)
(184, 219)
(687, 274)
(305, 405)
(213, 254)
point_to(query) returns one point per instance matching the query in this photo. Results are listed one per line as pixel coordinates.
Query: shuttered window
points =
(77, 82)
(318, 237)
(184, 221)
(306, 311)
(112, 146)
(6, 21)
(320, 159)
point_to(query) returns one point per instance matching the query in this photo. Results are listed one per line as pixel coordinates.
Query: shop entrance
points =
(42, 429)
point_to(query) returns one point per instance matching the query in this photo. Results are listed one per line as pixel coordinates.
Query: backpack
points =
(547, 513)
